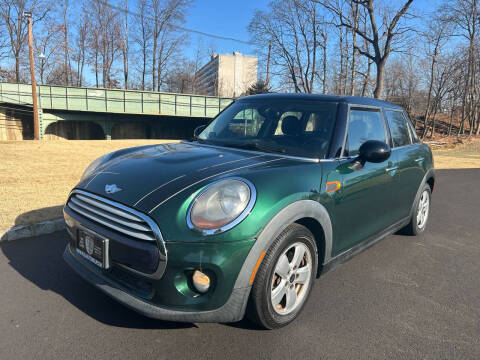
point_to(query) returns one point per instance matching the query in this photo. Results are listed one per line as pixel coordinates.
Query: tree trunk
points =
(451, 121)
(154, 62)
(366, 78)
(65, 42)
(434, 122)
(429, 97)
(354, 45)
(340, 75)
(378, 92)
(144, 67)
(17, 68)
(325, 66)
(96, 69)
(125, 48)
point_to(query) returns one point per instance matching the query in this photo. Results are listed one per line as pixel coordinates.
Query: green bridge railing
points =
(52, 97)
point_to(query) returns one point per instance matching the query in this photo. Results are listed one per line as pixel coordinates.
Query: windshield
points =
(290, 127)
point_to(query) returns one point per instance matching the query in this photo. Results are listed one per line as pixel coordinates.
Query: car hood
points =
(148, 176)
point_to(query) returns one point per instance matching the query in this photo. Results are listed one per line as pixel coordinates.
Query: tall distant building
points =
(227, 75)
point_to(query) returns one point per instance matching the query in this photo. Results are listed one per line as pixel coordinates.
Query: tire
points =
(417, 224)
(295, 241)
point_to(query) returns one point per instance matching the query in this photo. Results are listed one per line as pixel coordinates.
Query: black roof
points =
(317, 97)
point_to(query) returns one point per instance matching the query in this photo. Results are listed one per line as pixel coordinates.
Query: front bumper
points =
(233, 310)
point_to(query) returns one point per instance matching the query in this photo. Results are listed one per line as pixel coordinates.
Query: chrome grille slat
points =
(108, 208)
(137, 226)
(111, 225)
(113, 216)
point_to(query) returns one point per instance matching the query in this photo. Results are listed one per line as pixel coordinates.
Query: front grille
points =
(112, 215)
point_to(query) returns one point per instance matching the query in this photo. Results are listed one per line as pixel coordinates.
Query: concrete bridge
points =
(79, 113)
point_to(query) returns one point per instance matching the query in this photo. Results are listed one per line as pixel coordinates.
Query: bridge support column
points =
(107, 126)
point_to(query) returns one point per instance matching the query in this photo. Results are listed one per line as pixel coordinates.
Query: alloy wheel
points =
(291, 278)
(423, 209)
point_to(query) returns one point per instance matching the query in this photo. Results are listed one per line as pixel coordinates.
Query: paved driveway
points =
(405, 298)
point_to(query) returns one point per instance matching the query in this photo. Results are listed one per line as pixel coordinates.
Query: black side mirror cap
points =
(374, 151)
(198, 130)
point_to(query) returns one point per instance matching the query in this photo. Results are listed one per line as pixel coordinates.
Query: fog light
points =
(201, 281)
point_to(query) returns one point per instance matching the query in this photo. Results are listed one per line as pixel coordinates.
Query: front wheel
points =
(419, 219)
(284, 279)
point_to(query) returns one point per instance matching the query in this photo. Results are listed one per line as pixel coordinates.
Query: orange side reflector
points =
(259, 261)
(332, 186)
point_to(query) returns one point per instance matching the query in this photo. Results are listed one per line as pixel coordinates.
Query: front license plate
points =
(93, 247)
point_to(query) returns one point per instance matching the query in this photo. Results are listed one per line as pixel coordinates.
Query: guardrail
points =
(114, 100)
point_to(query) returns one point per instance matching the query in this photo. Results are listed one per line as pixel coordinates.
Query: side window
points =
(363, 125)
(398, 128)
(413, 133)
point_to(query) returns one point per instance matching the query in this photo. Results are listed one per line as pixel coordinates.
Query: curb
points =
(25, 231)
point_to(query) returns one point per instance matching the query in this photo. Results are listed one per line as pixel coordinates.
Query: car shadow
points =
(39, 259)
(39, 215)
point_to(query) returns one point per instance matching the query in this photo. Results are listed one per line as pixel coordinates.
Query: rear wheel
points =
(419, 219)
(284, 279)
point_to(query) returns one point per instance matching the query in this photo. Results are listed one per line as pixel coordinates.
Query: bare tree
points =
(380, 43)
(181, 77)
(292, 27)
(80, 53)
(435, 38)
(143, 36)
(3, 41)
(165, 15)
(125, 45)
(363, 22)
(354, 15)
(49, 43)
(11, 12)
(104, 39)
(66, 55)
(402, 81)
(464, 14)
(323, 35)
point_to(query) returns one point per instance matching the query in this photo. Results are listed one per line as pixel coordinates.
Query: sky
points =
(231, 17)
(223, 17)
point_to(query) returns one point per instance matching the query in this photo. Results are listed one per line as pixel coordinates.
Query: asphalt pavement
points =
(404, 298)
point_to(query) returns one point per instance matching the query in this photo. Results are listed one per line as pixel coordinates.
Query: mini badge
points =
(111, 189)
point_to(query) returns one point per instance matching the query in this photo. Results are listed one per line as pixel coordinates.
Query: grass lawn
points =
(461, 157)
(36, 177)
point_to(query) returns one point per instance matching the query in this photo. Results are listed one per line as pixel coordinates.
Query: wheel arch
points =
(428, 178)
(319, 234)
(308, 213)
(431, 182)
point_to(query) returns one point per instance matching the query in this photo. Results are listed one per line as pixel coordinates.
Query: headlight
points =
(221, 205)
(91, 168)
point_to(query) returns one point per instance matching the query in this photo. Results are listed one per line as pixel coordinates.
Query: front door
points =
(363, 205)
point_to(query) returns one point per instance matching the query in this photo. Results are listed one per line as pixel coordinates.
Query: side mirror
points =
(374, 151)
(198, 130)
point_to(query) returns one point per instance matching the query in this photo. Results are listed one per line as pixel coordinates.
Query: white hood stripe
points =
(208, 177)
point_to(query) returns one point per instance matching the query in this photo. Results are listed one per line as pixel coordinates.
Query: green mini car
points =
(276, 190)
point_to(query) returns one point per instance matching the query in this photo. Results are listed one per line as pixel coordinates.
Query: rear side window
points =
(363, 125)
(398, 128)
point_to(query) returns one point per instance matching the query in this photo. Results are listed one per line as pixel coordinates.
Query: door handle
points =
(393, 168)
